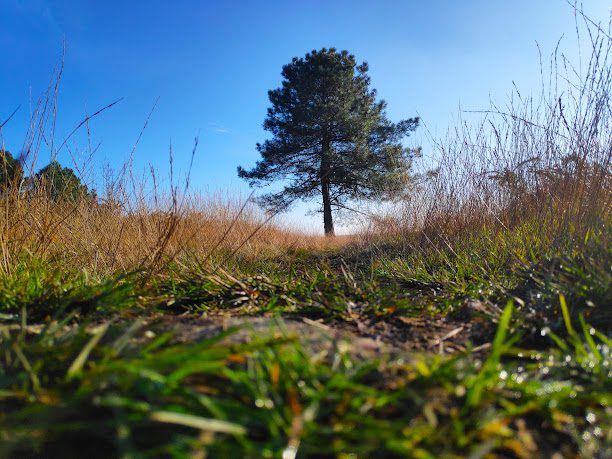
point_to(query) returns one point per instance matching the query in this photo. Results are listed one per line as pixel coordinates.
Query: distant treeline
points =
(59, 183)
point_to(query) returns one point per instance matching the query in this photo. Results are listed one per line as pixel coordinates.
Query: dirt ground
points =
(363, 339)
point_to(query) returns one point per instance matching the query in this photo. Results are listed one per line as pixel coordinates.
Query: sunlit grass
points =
(98, 374)
(109, 389)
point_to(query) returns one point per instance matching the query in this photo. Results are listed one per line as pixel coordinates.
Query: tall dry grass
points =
(134, 223)
(105, 239)
(534, 174)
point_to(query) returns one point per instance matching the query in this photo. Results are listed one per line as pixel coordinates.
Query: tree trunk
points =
(328, 222)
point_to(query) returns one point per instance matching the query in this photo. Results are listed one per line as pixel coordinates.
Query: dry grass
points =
(104, 239)
(540, 167)
(134, 224)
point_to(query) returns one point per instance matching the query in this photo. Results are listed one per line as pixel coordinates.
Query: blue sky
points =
(211, 63)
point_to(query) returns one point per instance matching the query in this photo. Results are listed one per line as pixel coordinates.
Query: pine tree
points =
(331, 137)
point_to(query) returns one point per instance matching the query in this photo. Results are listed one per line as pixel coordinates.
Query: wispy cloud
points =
(218, 128)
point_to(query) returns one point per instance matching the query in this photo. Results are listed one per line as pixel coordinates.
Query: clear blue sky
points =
(211, 64)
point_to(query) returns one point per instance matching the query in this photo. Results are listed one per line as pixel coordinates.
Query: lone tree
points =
(331, 137)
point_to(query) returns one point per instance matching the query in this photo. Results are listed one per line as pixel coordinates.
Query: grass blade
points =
(197, 422)
(502, 329)
(79, 362)
(588, 338)
(566, 315)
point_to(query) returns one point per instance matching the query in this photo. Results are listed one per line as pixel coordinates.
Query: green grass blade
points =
(79, 362)
(26, 365)
(197, 422)
(558, 341)
(604, 339)
(566, 315)
(489, 368)
(588, 338)
(124, 339)
(502, 328)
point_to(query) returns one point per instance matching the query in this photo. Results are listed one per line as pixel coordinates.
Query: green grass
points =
(87, 368)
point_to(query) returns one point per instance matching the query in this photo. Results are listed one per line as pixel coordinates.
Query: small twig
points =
(250, 236)
(9, 118)
(87, 118)
(514, 117)
(314, 323)
(229, 228)
(449, 335)
(482, 347)
(581, 12)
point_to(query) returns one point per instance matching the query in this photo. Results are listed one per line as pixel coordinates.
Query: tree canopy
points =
(331, 137)
(61, 183)
(11, 171)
